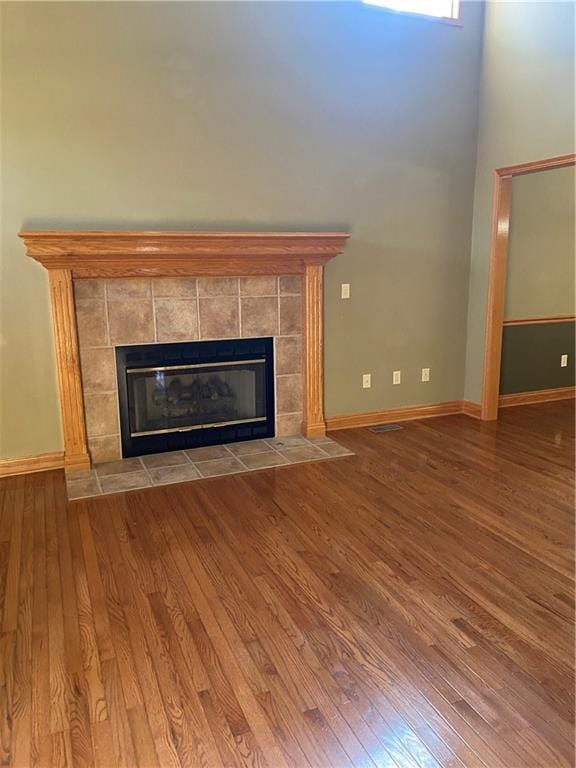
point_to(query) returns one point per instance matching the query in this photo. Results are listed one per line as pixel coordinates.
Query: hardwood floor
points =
(411, 607)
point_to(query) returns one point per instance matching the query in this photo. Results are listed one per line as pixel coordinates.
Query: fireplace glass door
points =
(190, 394)
(189, 397)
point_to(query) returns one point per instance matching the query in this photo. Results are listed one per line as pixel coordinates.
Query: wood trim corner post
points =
(312, 307)
(502, 198)
(68, 364)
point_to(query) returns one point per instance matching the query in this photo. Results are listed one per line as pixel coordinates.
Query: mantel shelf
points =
(141, 254)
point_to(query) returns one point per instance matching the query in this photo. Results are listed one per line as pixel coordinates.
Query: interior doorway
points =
(502, 199)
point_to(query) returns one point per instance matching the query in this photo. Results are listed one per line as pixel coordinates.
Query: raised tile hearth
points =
(199, 464)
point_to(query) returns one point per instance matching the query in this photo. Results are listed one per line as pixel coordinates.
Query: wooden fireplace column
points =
(70, 255)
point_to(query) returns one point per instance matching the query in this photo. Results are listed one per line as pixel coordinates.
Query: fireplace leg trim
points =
(314, 424)
(68, 363)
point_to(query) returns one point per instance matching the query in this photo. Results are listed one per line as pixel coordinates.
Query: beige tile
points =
(218, 286)
(219, 318)
(290, 315)
(129, 288)
(168, 459)
(334, 449)
(176, 319)
(80, 489)
(131, 321)
(262, 460)
(179, 474)
(320, 440)
(250, 446)
(104, 449)
(289, 393)
(208, 453)
(259, 316)
(89, 289)
(127, 482)
(259, 286)
(220, 467)
(101, 414)
(303, 453)
(289, 424)
(290, 284)
(98, 370)
(288, 354)
(123, 466)
(92, 326)
(181, 287)
(289, 441)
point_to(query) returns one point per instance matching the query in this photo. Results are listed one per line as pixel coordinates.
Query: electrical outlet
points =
(396, 377)
(425, 374)
(564, 361)
(366, 380)
(345, 291)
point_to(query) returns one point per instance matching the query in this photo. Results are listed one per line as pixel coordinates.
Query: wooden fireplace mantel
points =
(149, 254)
(70, 255)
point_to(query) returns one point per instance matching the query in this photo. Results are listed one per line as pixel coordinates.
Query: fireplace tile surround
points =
(117, 312)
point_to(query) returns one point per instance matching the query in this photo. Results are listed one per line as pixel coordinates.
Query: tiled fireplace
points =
(137, 311)
(116, 289)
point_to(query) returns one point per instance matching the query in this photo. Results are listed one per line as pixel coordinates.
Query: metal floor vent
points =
(385, 427)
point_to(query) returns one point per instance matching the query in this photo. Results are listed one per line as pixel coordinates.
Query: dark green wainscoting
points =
(531, 357)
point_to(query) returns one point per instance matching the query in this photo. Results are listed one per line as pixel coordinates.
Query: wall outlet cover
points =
(396, 377)
(366, 380)
(345, 291)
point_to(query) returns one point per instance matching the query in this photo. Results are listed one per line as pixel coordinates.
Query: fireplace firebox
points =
(192, 394)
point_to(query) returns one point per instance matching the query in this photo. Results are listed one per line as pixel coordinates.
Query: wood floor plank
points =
(411, 606)
(41, 746)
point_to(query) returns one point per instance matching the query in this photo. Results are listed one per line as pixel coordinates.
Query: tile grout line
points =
(148, 475)
(153, 297)
(239, 308)
(106, 313)
(199, 330)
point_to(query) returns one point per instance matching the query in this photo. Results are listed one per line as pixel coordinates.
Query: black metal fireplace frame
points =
(192, 353)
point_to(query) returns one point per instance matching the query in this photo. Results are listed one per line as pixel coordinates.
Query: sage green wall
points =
(247, 115)
(540, 275)
(526, 113)
(531, 357)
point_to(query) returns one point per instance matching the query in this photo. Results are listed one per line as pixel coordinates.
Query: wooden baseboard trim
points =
(472, 409)
(26, 464)
(391, 415)
(538, 396)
